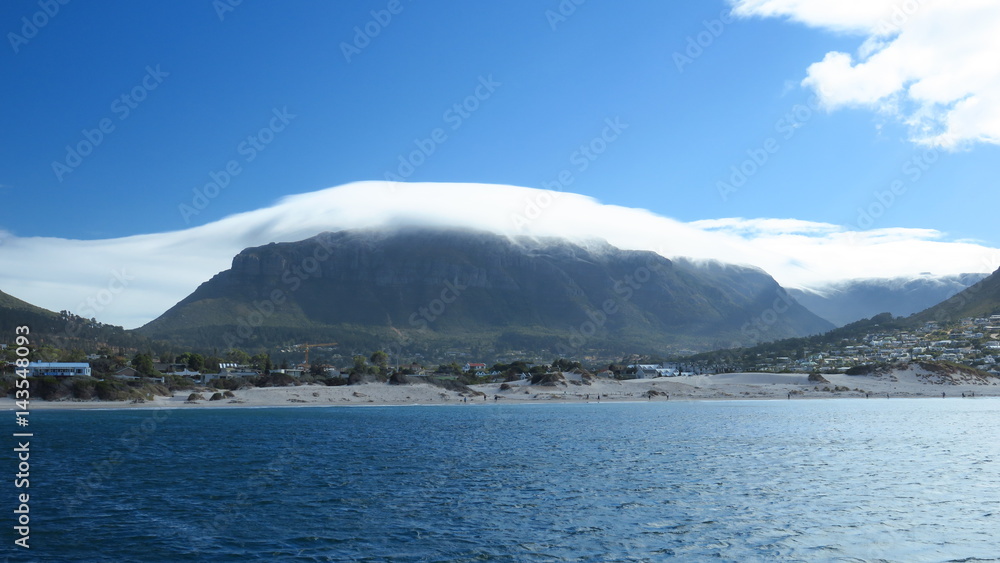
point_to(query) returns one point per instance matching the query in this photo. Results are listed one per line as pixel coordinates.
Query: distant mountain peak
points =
(981, 299)
(844, 302)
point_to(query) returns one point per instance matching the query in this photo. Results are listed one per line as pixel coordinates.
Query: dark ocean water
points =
(834, 480)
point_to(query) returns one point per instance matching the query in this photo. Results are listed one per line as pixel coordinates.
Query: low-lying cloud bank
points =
(132, 280)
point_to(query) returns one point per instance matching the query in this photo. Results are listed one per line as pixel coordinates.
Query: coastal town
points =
(970, 343)
(973, 342)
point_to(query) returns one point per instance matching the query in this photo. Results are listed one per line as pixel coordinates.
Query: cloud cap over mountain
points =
(131, 280)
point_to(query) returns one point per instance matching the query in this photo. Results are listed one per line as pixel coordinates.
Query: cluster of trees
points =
(44, 352)
(375, 367)
(509, 372)
(63, 336)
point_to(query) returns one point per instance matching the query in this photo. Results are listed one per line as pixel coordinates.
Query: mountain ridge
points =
(16, 312)
(847, 301)
(425, 288)
(979, 299)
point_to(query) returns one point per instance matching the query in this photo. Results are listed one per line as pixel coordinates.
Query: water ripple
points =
(846, 480)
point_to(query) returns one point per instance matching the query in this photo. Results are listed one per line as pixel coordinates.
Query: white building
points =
(58, 369)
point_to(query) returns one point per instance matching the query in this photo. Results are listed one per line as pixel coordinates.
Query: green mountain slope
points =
(15, 312)
(979, 300)
(11, 304)
(65, 330)
(845, 302)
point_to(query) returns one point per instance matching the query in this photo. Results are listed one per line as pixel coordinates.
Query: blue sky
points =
(687, 114)
(353, 119)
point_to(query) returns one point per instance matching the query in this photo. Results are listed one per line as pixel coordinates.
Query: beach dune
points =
(907, 382)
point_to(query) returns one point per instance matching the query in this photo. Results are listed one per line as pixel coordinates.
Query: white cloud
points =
(850, 16)
(929, 63)
(161, 269)
(745, 227)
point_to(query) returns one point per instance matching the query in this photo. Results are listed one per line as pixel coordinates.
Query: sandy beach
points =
(912, 382)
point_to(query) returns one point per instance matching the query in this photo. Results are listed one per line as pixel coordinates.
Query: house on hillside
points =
(227, 371)
(646, 371)
(130, 374)
(414, 368)
(126, 373)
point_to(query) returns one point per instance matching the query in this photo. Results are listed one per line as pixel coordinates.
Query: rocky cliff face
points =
(445, 286)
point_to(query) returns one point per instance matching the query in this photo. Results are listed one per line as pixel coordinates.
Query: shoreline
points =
(720, 387)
